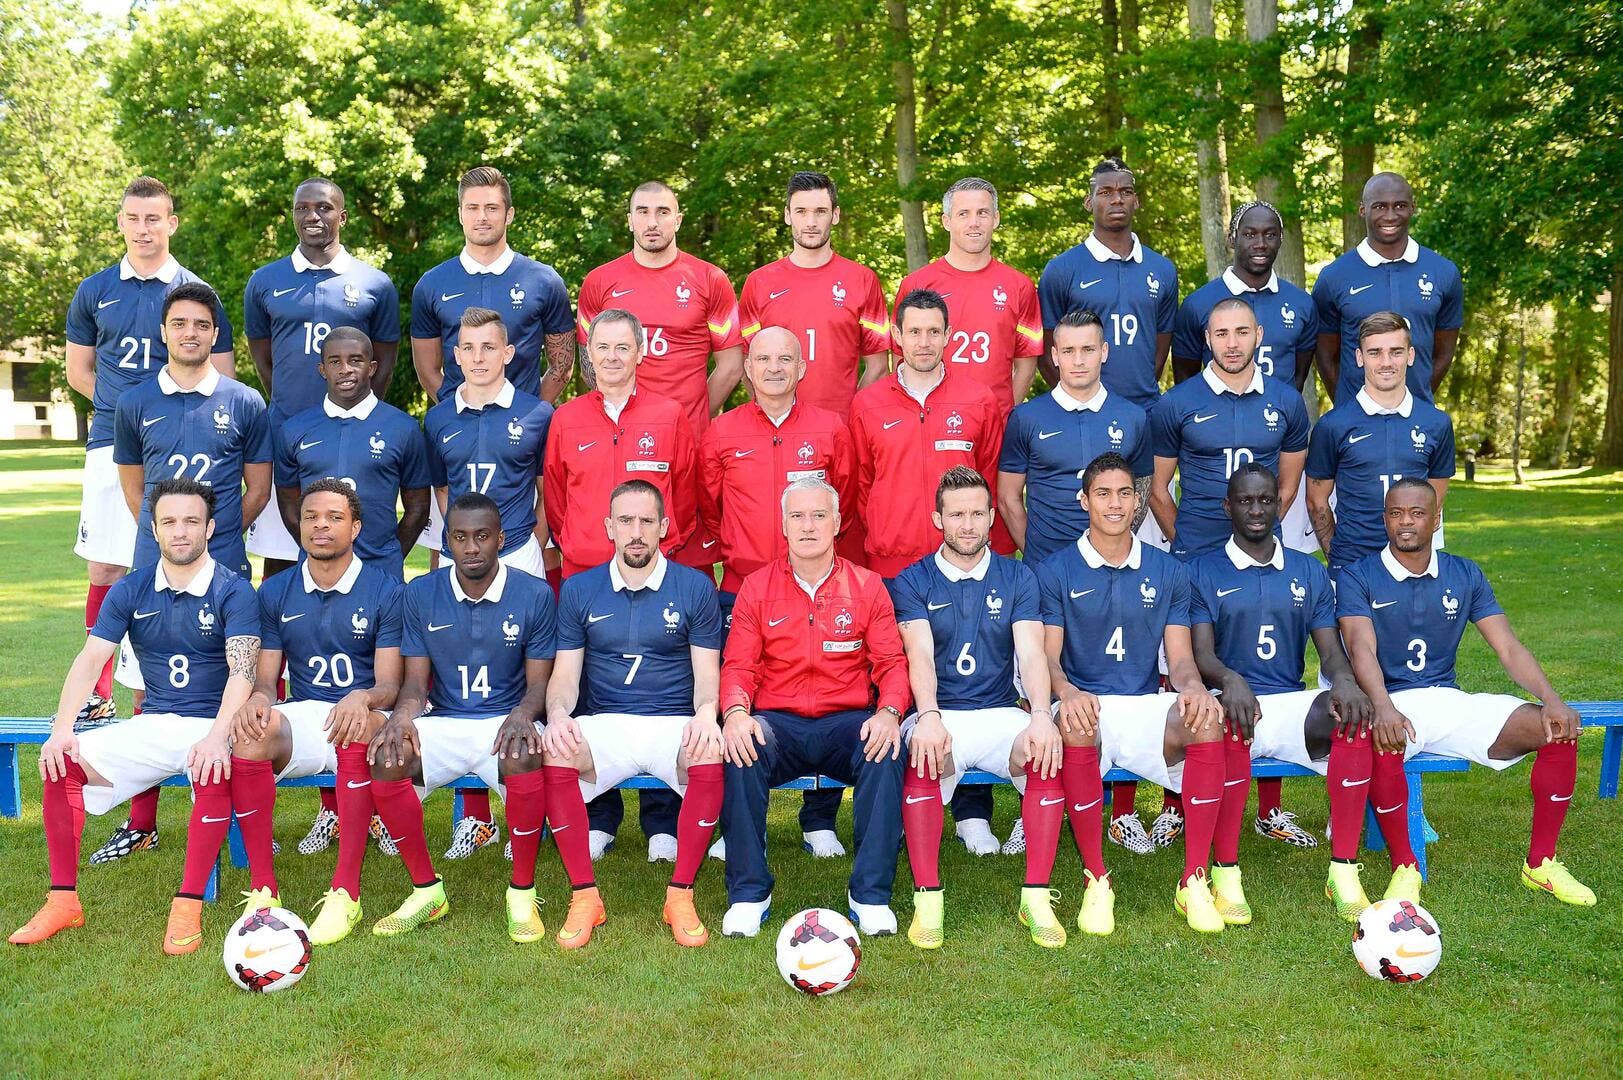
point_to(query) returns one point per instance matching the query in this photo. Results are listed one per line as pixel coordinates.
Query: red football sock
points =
(144, 810)
(1351, 763)
(65, 824)
(1389, 794)
(922, 819)
(1171, 800)
(1203, 795)
(355, 810)
(94, 595)
(1042, 808)
(1555, 778)
(476, 804)
(1084, 805)
(696, 821)
(402, 814)
(1123, 796)
(329, 800)
(1268, 795)
(526, 813)
(1231, 811)
(253, 797)
(211, 820)
(566, 810)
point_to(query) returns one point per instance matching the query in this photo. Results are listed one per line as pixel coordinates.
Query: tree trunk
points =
(1491, 407)
(1611, 443)
(907, 136)
(1110, 92)
(1211, 166)
(1569, 363)
(1276, 183)
(1358, 140)
(1521, 398)
(1129, 53)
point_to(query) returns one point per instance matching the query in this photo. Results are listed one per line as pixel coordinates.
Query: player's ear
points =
(608, 528)
(835, 220)
(1259, 333)
(208, 531)
(935, 516)
(664, 527)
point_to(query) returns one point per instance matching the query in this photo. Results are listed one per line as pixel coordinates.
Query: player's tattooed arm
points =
(588, 374)
(1319, 512)
(242, 657)
(560, 350)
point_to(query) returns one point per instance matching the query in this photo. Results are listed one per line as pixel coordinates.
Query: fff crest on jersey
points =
(1000, 298)
(683, 293)
(222, 419)
(838, 293)
(673, 618)
(376, 443)
(1451, 605)
(994, 604)
(843, 621)
(352, 295)
(806, 453)
(510, 630)
(1288, 315)
(1426, 286)
(1147, 593)
(1116, 434)
(955, 423)
(515, 430)
(516, 294)
(1298, 593)
(1417, 437)
(1271, 416)
(205, 619)
(358, 622)
(646, 443)
(1154, 284)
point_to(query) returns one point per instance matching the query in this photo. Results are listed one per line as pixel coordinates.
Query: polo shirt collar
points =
(779, 421)
(1371, 257)
(1242, 561)
(1070, 404)
(1400, 572)
(955, 575)
(655, 580)
(210, 382)
(342, 262)
(198, 586)
(361, 411)
(1220, 387)
(493, 594)
(345, 582)
(504, 397)
(473, 266)
(165, 273)
(1405, 407)
(1240, 288)
(941, 377)
(810, 588)
(1091, 556)
(1104, 254)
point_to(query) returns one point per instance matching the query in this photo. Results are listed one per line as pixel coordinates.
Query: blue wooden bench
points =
(16, 731)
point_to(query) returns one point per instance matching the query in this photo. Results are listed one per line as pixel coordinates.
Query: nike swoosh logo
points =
(106, 303)
(1050, 802)
(308, 445)
(1560, 798)
(1351, 439)
(1359, 289)
(617, 293)
(559, 828)
(1202, 802)
(215, 820)
(1041, 435)
(742, 453)
(1234, 783)
(445, 297)
(1090, 284)
(1388, 809)
(1079, 595)
(289, 618)
(803, 966)
(774, 622)
(154, 420)
(527, 832)
(1354, 783)
(1079, 807)
(599, 618)
(251, 953)
(708, 544)
(1378, 605)
(182, 942)
(283, 292)
(774, 296)
(1409, 954)
(243, 814)
(707, 824)
(432, 627)
(938, 607)
(911, 799)
(447, 438)
(353, 784)
(1203, 419)
(581, 448)
(145, 614)
(1228, 592)
(891, 424)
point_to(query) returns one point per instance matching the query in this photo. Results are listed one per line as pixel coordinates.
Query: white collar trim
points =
(493, 594)
(1371, 257)
(342, 262)
(165, 273)
(1103, 254)
(655, 580)
(1218, 386)
(344, 583)
(361, 411)
(954, 574)
(210, 382)
(1240, 288)
(198, 586)
(473, 266)
(1070, 404)
(1400, 572)
(1242, 561)
(1405, 407)
(1091, 556)
(504, 397)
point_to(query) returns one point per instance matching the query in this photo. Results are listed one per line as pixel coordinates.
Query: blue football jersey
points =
(376, 449)
(1262, 616)
(530, 296)
(1364, 451)
(1212, 431)
(1285, 314)
(495, 450)
(1135, 298)
(296, 305)
(1051, 441)
(1114, 618)
(208, 435)
(971, 625)
(1425, 289)
(1418, 620)
(179, 637)
(120, 316)
(478, 648)
(637, 641)
(329, 638)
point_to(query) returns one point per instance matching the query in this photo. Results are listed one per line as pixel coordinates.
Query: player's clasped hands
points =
(701, 737)
(929, 745)
(1078, 712)
(739, 736)
(252, 721)
(881, 734)
(1351, 709)
(1391, 730)
(562, 736)
(209, 761)
(349, 720)
(1241, 709)
(1197, 709)
(395, 744)
(1043, 745)
(518, 737)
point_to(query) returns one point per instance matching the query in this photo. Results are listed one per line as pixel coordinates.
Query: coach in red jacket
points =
(813, 640)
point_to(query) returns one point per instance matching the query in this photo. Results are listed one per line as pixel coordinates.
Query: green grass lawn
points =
(1526, 985)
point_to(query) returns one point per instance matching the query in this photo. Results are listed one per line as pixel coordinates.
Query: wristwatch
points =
(893, 710)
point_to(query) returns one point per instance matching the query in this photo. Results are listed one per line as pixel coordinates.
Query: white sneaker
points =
(745, 919)
(976, 833)
(718, 850)
(469, 836)
(662, 847)
(600, 842)
(875, 920)
(823, 844)
(1016, 843)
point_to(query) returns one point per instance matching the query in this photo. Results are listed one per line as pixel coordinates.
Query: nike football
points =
(267, 949)
(818, 952)
(1397, 940)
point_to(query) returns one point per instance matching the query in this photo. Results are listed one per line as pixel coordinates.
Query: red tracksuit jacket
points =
(790, 653)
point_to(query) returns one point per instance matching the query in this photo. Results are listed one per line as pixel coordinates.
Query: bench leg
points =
(11, 788)
(1611, 758)
(211, 891)
(456, 806)
(1372, 829)
(1419, 827)
(239, 851)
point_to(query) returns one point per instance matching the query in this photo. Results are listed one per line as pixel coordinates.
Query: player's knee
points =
(526, 762)
(403, 769)
(105, 574)
(1075, 737)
